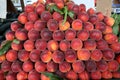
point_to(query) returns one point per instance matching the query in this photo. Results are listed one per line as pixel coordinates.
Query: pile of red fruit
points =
(80, 48)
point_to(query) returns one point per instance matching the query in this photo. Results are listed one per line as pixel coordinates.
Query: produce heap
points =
(62, 38)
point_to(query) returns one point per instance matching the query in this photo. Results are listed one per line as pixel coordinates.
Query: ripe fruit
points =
(10, 35)
(83, 54)
(83, 35)
(70, 56)
(60, 37)
(78, 66)
(22, 18)
(90, 44)
(21, 34)
(64, 67)
(11, 55)
(109, 21)
(76, 44)
(83, 16)
(58, 56)
(77, 24)
(64, 26)
(52, 24)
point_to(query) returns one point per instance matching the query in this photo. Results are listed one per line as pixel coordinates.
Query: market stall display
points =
(60, 40)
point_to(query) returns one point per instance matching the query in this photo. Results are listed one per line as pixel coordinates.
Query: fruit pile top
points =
(56, 40)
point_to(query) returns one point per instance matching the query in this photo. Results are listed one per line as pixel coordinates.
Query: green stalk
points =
(65, 15)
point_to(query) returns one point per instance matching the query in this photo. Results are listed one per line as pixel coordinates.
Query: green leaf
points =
(52, 76)
(57, 9)
(16, 41)
(50, 7)
(65, 10)
(5, 47)
(71, 14)
(116, 29)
